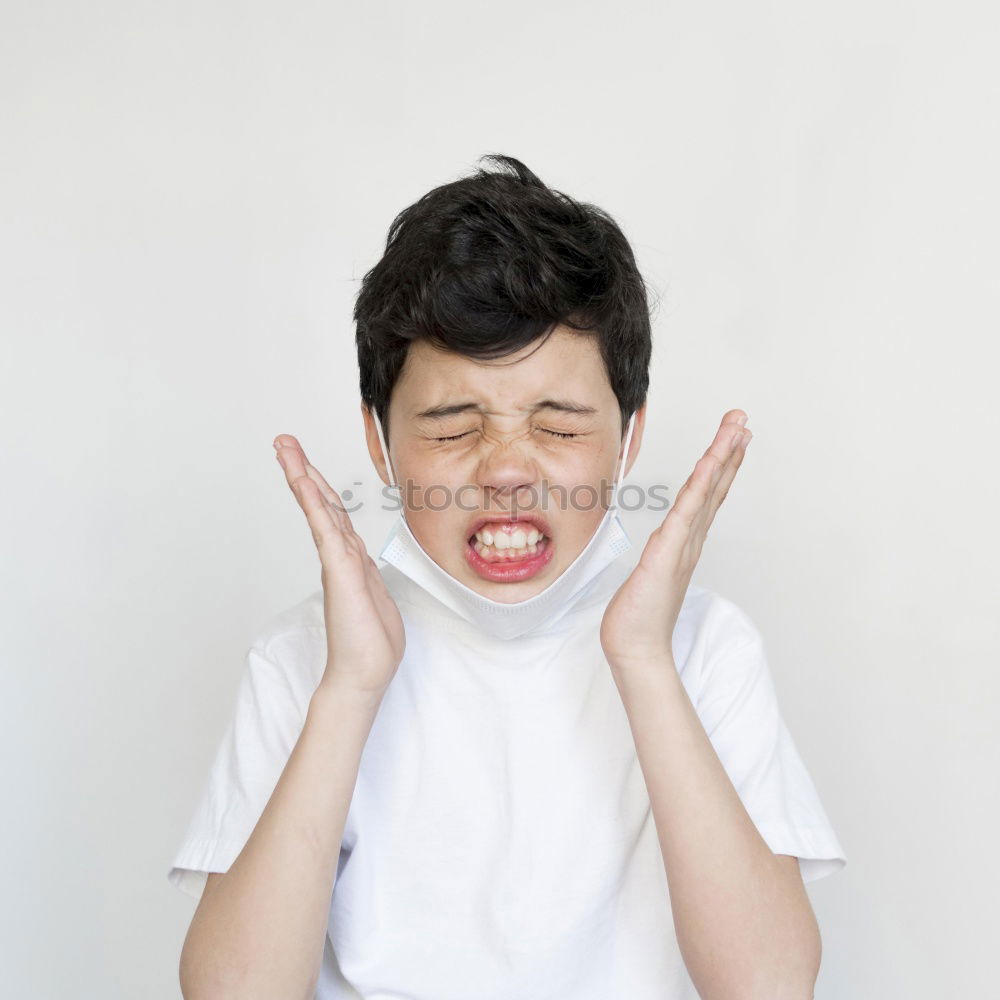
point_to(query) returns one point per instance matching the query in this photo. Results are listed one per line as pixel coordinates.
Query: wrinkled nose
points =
(506, 471)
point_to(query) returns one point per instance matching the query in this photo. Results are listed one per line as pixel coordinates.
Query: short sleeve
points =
(739, 710)
(270, 711)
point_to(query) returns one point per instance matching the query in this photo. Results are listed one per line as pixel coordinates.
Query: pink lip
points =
(510, 570)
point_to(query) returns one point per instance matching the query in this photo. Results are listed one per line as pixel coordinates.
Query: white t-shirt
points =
(500, 841)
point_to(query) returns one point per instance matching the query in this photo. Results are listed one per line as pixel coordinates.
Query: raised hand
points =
(364, 630)
(638, 625)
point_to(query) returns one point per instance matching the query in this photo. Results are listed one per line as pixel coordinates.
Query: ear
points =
(374, 445)
(633, 448)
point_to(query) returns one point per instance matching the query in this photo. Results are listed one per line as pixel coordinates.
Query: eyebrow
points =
(561, 405)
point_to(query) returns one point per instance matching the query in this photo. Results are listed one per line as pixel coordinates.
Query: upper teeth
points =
(517, 539)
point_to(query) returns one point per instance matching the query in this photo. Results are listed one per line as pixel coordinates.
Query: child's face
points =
(497, 468)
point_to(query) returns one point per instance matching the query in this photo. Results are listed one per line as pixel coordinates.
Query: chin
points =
(508, 593)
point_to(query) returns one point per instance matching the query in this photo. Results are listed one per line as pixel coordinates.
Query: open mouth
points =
(509, 550)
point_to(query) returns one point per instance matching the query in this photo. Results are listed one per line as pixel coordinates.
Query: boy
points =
(508, 764)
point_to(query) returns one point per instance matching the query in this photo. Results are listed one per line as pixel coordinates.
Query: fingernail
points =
(741, 420)
(275, 443)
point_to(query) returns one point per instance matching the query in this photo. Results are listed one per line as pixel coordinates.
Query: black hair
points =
(487, 264)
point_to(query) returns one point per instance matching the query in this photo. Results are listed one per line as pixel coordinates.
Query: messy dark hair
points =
(486, 265)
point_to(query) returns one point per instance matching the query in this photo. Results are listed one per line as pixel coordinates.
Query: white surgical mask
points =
(507, 621)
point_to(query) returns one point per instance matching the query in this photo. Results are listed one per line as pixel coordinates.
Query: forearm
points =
(260, 932)
(744, 929)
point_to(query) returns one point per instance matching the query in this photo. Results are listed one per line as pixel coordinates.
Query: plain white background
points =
(189, 196)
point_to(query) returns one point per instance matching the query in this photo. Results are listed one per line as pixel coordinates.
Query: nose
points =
(505, 470)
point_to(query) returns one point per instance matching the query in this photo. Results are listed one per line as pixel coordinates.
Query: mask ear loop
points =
(620, 475)
(385, 455)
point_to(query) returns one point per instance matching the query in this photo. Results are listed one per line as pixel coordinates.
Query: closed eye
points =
(559, 434)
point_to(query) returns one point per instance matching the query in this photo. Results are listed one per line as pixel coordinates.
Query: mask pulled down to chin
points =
(508, 621)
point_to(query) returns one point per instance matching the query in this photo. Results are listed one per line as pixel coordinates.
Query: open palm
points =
(638, 624)
(364, 630)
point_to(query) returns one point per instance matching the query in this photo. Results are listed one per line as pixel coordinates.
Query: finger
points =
(728, 474)
(722, 445)
(290, 456)
(332, 497)
(327, 535)
(293, 460)
(694, 501)
(693, 496)
(735, 440)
